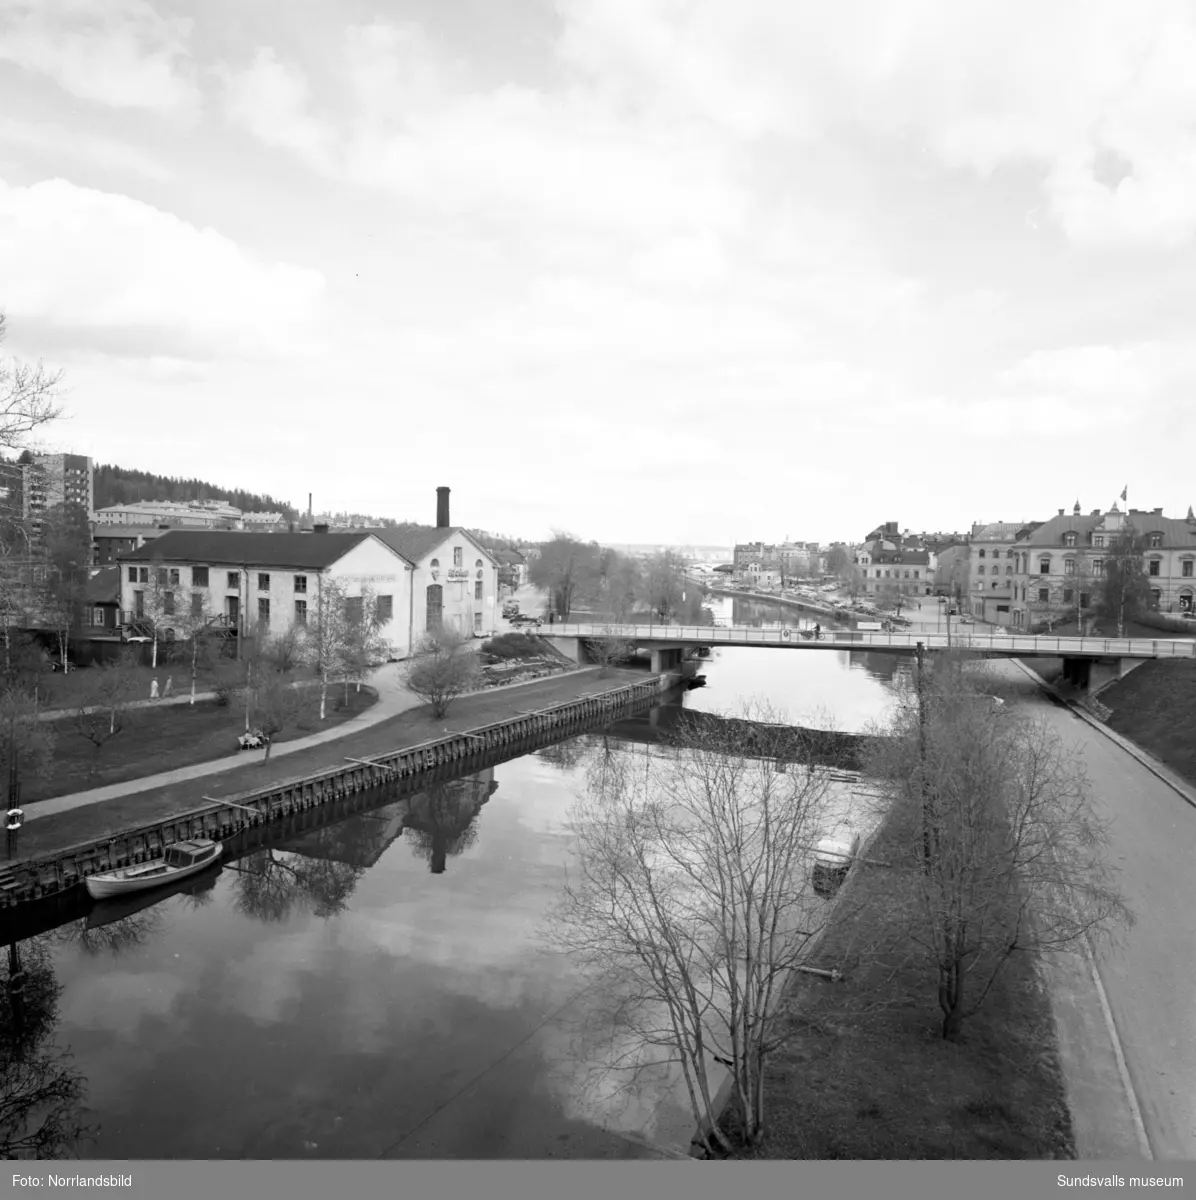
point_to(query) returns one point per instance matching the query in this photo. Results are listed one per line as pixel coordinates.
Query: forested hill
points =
(120, 485)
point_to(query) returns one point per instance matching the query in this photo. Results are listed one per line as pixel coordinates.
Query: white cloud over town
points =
(855, 238)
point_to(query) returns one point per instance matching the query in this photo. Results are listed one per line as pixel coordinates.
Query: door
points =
(435, 607)
(232, 606)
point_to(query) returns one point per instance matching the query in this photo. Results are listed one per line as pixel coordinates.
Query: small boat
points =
(180, 860)
(118, 908)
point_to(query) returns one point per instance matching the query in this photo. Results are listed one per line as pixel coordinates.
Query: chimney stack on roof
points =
(1061, 512)
(442, 508)
(1158, 512)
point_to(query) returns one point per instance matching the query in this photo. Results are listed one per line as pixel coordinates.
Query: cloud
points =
(114, 274)
(980, 87)
(62, 145)
(123, 53)
(271, 100)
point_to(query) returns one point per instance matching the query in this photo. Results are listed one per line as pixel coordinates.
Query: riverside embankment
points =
(56, 852)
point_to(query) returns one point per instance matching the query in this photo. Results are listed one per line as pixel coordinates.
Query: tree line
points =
(123, 485)
(608, 585)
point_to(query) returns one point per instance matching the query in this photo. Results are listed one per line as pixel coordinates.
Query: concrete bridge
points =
(1088, 662)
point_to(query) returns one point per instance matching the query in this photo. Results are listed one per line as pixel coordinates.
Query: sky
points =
(648, 271)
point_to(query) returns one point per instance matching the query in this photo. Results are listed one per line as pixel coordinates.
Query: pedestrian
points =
(169, 688)
(818, 633)
(15, 819)
(154, 689)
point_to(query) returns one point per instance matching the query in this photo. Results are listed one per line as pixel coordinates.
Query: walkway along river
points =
(367, 978)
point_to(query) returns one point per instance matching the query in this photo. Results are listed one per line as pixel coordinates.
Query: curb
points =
(1156, 768)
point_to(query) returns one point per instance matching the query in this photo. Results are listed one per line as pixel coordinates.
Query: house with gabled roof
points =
(454, 577)
(264, 582)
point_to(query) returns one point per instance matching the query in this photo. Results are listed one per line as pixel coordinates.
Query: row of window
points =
(170, 577)
(458, 559)
(385, 607)
(898, 575)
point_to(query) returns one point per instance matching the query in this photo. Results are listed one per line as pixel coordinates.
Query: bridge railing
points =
(854, 639)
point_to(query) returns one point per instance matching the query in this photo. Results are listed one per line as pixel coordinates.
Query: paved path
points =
(1126, 1018)
(393, 698)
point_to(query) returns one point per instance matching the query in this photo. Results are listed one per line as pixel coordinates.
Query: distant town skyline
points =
(640, 271)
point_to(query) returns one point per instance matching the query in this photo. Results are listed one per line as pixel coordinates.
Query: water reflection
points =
(441, 821)
(41, 1091)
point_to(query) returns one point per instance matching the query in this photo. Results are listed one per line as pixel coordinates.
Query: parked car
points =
(967, 620)
(483, 633)
(524, 619)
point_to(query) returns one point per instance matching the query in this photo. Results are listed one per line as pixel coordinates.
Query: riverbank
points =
(1154, 707)
(51, 834)
(865, 1074)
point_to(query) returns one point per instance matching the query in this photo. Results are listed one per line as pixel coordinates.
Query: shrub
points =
(513, 645)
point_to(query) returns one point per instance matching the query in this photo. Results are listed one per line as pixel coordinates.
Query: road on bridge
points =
(1150, 979)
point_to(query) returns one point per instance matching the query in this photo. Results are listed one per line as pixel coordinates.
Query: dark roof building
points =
(313, 551)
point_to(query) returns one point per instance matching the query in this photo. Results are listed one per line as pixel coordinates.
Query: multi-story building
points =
(1060, 564)
(424, 578)
(892, 563)
(202, 514)
(109, 542)
(990, 568)
(58, 480)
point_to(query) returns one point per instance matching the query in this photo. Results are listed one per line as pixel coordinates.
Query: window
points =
(434, 563)
(353, 609)
(1156, 540)
(1067, 595)
(1008, 570)
(979, 570)
(263, 609)
(162, 576)
(1044, 566)
(1069, 566)
(1083, 599)
(1156, 595)
(477, 622)
(168, 603)
(300, 612)
(139, 604)
(199, 576)
(1152, 568)
(132, 574)
(385, 608)
(458, 556)
(197, 604)
(981, 553)
(1098, 566)
(917, 574)
(145, 574)
(174, 577)
(300, 586)
(478, 563)
(1044, 594)
(97, 616)
(234, 579)
(1098, 539)
(263, 582)
(1185, 568)
(477, 589)
(1069, 539)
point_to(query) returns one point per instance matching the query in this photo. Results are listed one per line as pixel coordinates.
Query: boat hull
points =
(145, 876)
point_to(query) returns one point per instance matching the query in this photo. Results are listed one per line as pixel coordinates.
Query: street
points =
(1149, 979)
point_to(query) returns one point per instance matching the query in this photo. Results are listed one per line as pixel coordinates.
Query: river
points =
(380, 988)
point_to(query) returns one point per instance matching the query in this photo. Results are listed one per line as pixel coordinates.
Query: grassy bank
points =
(867, 1076)
(1155, 707)
(410, 728)
(173, 736)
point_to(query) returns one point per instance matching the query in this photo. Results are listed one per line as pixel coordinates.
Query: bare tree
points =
(1003, 855)
(197, 624)
(565, 567)
(276, 705)
(28, 397)
(26, 744)
(692, 906)
(327, 634)
(102, 709)
(443, 667)
(363, 645)
(609, 650)
(285, 649)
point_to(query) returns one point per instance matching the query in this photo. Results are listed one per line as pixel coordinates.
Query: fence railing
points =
(854, 639)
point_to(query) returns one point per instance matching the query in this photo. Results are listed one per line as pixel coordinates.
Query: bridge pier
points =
(666, 658)
(1104, 671)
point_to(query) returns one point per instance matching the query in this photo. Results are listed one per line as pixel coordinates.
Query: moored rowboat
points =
(179, 861)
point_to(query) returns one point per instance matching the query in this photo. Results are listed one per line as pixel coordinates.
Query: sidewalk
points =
(393, 698)
(397, 720)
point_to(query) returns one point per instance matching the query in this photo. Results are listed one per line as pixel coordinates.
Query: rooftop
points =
(233, 548)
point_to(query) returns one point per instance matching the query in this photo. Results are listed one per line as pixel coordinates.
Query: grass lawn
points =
(162, 739)
(1155, 707)
(867, 1076)
(66, 691)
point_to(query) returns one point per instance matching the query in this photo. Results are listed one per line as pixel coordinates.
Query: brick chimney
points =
(442, 508)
